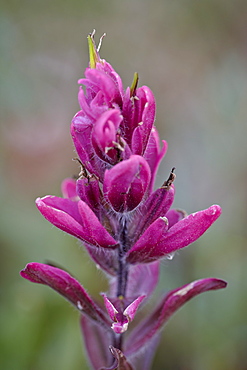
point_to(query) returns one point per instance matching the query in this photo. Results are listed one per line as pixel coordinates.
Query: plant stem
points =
(122, 276)
(122, 265)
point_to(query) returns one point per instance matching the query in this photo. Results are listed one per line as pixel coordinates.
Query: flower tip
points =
(134, 84)
(22, 272)
(214, 210)
(40, 202)
(93, 53)
(119, 328)
(25, 272)
(222, 283)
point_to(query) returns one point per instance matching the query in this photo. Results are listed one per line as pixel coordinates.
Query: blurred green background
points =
(193, 55)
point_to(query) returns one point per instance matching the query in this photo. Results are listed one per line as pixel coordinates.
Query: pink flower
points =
(126, 226)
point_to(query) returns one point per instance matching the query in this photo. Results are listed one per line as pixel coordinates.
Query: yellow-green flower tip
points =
(134, 84)
(93, 54)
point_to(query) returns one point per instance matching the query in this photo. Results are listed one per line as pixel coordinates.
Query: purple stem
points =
(122, 274)
(122, 265)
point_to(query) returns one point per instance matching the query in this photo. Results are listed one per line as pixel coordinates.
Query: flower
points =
(126, 226)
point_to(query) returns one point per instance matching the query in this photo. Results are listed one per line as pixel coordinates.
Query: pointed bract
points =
(156, 205)
(89, 192)
(121, 314)
(126, 183)
(150, 326)
(67, 286)
(144, 115)
(153, 154)
(183, 233)
(77, 219)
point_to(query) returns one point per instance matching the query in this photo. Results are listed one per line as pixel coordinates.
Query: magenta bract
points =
(157, 241)
(120, 312)
(167, 306)
(77, 219)
(126, 184)
(125, 225)
(67, 286)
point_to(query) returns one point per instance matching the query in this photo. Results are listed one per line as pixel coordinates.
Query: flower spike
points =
(125, 225)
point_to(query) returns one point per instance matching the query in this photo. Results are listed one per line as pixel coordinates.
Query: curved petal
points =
(153, 154)
(148, 241)
(130, 311)
(81, 129)
(75, 218)
(121, 314)
(62, 213)
(104, 135)
(151, 326)
(96, 233)
(67, 286)
(81, 135)
(174, 216)
(98, 80)
(68, 188)
(156, 205)
(126, 183)
(89, 191)
(84, 105)
(183, 233)
(144, 116)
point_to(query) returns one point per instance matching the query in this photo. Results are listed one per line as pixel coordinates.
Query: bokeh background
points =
(193, 54)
